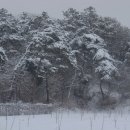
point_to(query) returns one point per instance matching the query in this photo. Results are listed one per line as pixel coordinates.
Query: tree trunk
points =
(63, 91)
(47, 89)
(19, 93)
(33, 89)
(101, 89)
(16, 94)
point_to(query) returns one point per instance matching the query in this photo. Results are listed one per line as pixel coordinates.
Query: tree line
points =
(79, 58)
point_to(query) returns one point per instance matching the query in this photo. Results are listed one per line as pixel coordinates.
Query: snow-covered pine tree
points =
(10, 38)
(47, 53)
(92, 49)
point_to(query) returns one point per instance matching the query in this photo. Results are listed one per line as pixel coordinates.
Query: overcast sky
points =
(119, 9)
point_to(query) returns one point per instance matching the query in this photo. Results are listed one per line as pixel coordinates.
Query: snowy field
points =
(79, 120)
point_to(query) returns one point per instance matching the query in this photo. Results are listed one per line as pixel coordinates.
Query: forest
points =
(82, 59)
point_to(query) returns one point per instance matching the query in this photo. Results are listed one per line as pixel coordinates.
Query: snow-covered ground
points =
(68, 120)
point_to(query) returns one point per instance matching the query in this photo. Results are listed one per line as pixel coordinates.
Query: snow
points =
(107, 68)
(94, 38)
(22, 59)
(59, 45)
(3, 56)
(73, 59)
(105, 64)
(46, 62)
(2, 50)
(53, 69)
(102, 54)
(68, 120)
(15, 37)
(63, 66)
(93, 46)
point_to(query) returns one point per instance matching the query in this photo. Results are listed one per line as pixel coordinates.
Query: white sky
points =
(119, 9)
